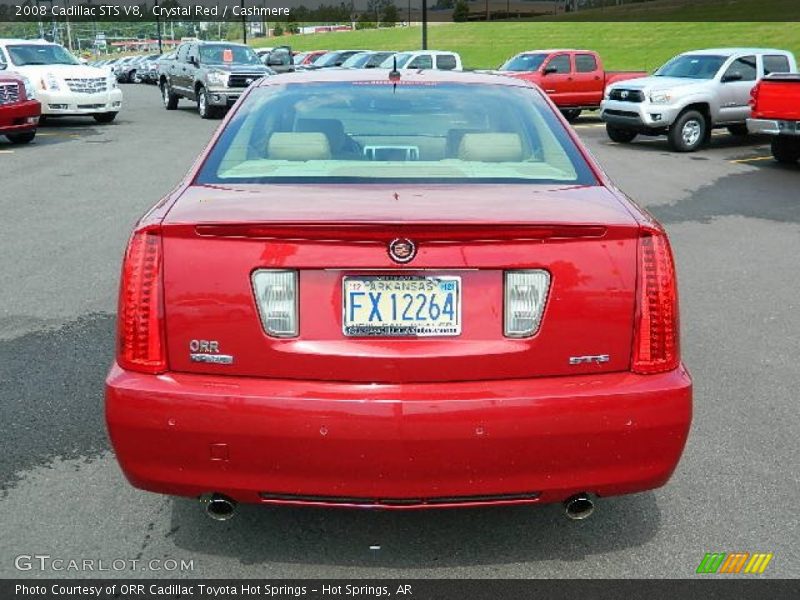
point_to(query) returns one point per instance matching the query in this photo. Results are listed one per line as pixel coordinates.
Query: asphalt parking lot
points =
(68, 202)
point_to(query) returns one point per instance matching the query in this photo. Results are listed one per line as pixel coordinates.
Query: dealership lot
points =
(68, 203)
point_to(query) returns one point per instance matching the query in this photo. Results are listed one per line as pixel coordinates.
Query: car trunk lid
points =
(216, 237)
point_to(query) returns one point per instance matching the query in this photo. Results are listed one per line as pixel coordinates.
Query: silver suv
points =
(690, 95)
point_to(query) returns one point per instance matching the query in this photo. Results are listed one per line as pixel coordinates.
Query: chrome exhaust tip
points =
(579, 507)
(219, 507)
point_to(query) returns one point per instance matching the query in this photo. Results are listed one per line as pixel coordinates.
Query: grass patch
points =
(631, 45)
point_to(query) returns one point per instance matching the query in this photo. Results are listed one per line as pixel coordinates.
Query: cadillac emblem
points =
(402, 250)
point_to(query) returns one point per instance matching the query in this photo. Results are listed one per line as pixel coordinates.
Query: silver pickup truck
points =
(212, 74)
(690, 95)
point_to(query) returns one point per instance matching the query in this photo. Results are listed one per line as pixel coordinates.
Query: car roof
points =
(219, 43)
(434, 52)
(732, 51)
(552, 51)
(373, 75)
(21, 41)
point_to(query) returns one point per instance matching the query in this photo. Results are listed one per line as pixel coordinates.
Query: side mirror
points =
(548, 70)
(3, 66)
(193, 61)
(732, 77)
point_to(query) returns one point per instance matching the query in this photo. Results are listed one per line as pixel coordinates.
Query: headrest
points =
(453, 141)
(298, 146)
(333, 128)
(490, 147)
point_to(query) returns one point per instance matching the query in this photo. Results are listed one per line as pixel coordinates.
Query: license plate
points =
(402, 306)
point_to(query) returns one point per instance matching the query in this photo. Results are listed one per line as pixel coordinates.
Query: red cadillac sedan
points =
(396, 291)
(19, 109)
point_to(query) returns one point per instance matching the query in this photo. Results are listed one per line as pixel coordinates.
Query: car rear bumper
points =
(773, 127)
(19, 117)
(71, 103)
(642, 116)
(409, 445)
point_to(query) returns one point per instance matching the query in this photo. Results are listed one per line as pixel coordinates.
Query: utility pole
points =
(69, 32)
(158, 31)
(244, 22)
(424, 24)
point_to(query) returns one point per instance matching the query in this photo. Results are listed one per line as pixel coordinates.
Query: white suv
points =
(424, 59)
(63, 85)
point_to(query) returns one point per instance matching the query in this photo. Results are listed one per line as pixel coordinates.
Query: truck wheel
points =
(105, 117)
(739, 130)
(688, 132)
(571, 114)
(786, 150)
(21, 138)
(621, 136)
(170, 99)
(203, 107)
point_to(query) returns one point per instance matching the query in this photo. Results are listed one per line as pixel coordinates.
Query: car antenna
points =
(394, 74)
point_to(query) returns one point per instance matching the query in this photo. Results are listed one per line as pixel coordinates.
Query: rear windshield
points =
(692, 66)
(377, 132)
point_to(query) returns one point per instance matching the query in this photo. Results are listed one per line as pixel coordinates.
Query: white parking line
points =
(6, 152)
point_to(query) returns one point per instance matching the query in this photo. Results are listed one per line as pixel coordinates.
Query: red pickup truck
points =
(19, 110)
(574, 79)
(776, 111)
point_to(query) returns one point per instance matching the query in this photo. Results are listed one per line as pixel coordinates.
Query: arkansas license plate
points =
(402, 306)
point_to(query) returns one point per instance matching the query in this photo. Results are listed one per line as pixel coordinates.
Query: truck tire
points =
(105, 117)
(203, 107)
(620, 136)
(786, 150)
(688, 132)
(571, 114)
(170, 99)
(21, 138)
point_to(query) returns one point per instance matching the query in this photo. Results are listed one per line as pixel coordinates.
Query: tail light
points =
(276, 298)
(754, 96)
(141, 305)
(525, 296)
(656, 335)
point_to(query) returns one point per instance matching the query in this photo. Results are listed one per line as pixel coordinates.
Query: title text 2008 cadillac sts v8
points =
(402, 292)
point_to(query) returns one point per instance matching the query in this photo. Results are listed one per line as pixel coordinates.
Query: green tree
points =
(461, 11)
(278, 30)
(389, 16)
(364, 22)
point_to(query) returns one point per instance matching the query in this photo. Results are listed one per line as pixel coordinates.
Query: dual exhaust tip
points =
(579, 507)
(218, 506)
(221, 508)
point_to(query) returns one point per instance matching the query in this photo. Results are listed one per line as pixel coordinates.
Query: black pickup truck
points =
(211, 74)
